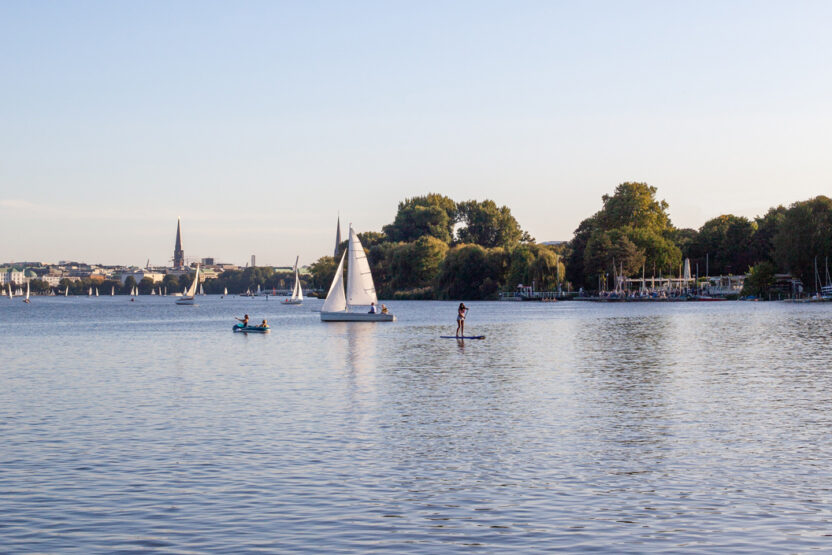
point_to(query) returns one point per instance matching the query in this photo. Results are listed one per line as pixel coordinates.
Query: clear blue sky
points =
(257, 122)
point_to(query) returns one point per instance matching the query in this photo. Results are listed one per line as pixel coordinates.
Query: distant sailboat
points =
(113, 290)
(297, 290)
(200, 290)
(89, 293)
(360, 290)
(258, 289)
(188, 298)
(26, 300)
(224, 291)
(10, 292)
(96, 291)
(66, 291)
(152, 291)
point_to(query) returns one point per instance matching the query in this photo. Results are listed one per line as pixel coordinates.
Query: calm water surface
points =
(580, 427)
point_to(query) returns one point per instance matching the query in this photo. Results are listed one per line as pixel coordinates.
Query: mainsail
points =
(360, 287)
(194, 284)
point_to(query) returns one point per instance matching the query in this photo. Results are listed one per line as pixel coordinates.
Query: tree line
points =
(437, 248)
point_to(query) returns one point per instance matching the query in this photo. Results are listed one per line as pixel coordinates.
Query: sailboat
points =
(96, 291)
(360, 291)
(89, 293)
(224, 291)
(26, 300)
(297, 290)
(66, 291)
(188, 297)
(201, 292)
(113, 290)
(10, 292)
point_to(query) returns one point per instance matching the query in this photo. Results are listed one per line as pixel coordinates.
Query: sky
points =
(258, 123)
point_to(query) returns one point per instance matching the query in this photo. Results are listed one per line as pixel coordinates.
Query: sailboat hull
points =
(356, 317)
(293, 301)
(186, 301)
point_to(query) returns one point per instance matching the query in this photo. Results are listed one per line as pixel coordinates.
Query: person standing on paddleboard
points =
(460, 319)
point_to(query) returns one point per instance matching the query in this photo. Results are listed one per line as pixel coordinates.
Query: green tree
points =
(171, 283)
(129, 284)
(607, 251)
(725, 242)
(322, 271)
(634, 205)
(759, 280)
(145, 286)
(432, 214)
(489, 226)
(472, 272)
(803, 236)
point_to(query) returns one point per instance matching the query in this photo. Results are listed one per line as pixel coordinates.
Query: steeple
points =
(178, 253)
(337, 236)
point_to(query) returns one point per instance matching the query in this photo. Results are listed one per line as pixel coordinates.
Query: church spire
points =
(337, 236)
(178, 253)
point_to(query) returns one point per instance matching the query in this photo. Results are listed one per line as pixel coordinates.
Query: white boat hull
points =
(293, 301)
(356, 317)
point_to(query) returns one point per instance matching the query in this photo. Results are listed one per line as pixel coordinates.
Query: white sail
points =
(89, 293)
(200, 290)
(336, 300)
(360, 287)
(258, 288)
(225, 290)
(27, 290)
(298, 286)
(66, 291)
(112, 290)
(96, 291)
(10, 291)
(194, 284)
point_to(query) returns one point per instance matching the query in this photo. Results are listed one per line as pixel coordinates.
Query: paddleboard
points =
(461, 337)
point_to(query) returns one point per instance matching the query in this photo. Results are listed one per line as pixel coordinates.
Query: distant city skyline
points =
(259, 123)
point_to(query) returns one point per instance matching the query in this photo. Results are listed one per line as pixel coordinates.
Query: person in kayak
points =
(460, 319)
(244, 320)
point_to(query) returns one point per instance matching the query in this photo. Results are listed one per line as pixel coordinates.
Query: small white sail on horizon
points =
(26, 300)
(10, 292)
(112, 290)
(225, 291)
(297, 290)
(96, 291)
(89, 293)
(188, 297)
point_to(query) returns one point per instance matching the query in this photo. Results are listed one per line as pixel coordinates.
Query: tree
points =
(432, 214)
(760, 278)
(171, 283)
(323, 270)
(472, 272)
(762, 244)
(489, 226)
(804, 235)
(129, 284)
(634, 205)
(607, 251)
(725, 243)
(145, 285)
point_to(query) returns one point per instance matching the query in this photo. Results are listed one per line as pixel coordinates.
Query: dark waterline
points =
(573, 426)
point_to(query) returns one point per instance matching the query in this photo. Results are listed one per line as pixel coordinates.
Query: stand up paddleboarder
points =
(460, 319)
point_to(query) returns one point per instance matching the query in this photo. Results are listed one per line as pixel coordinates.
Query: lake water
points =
(574, 426)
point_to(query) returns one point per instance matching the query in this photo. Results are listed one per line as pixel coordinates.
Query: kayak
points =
(251, 329)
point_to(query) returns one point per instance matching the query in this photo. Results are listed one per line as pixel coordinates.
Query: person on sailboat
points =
(244, 320)
(460, 319)
(384, 309)
(373, 309)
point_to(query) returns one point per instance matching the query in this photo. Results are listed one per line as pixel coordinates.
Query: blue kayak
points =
(251, 329)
